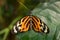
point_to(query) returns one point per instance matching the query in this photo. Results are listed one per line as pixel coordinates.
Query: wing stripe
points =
(26, 21)
(40, 21)
(33, 24)
(28, 24)
(24, 18)
(36, 18)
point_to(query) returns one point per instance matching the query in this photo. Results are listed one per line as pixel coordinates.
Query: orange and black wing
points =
(28, 22)
(22, 25)
(25, 23)
(39, 25)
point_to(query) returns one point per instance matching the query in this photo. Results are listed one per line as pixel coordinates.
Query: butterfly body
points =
(31, 22)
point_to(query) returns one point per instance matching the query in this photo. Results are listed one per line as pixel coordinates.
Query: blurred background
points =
(13, 10)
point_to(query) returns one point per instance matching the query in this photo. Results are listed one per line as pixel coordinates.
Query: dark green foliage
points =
(13, 10)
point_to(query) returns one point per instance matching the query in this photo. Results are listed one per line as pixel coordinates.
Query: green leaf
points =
(50, 14)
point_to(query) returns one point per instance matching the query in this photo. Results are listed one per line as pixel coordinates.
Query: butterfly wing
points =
(38, 25)
(22, 25)
(25, 23)
(31, 22)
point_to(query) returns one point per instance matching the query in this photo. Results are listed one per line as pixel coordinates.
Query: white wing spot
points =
(19, 28)
(15, 31)
(45, 30)
(18, 24)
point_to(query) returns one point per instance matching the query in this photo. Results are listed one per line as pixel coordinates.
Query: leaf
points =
(50, 14)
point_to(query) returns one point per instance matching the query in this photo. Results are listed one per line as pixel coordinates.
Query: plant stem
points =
(23, 5)
(7, 30)
(6, 34)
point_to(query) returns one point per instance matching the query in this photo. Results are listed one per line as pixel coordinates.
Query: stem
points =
(14, 21)
(23, 5)
(7, 30)
(6, 34)
(3, 31)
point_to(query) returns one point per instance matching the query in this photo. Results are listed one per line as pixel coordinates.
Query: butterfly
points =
(31, 22)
